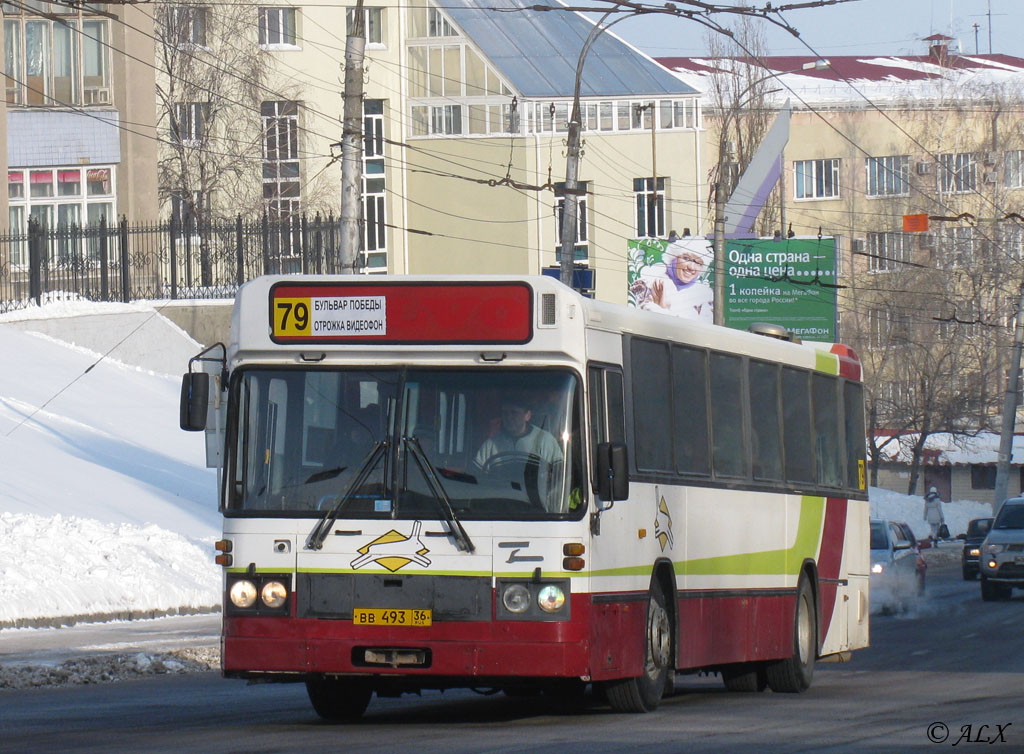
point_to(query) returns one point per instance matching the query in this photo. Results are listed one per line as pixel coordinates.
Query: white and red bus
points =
(433, 482)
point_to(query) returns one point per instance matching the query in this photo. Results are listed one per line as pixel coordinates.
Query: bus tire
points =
(745, 677)
(338, 700)
(794, 674)
(643, 693)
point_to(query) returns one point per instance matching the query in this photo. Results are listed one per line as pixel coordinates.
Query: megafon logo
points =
(394, 550)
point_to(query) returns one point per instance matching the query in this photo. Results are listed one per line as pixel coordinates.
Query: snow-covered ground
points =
(106, 506)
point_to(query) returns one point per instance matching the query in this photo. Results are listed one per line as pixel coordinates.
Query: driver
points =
(518, 435)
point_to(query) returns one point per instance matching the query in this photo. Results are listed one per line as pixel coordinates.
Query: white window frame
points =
(1013, 169)
(189, 122)
(815, 180)
(888, 251)
(280, 121)
(887, 176)
(958, 173)
(582, 236)
(374, 247)
(287, 21)
(641, 200)
(373, 26)
(185, 21)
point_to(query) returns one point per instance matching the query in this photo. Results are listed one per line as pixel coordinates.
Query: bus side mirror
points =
(195, 399)
(612, 470)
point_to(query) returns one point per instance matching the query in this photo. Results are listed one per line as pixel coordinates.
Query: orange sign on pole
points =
(915, 223)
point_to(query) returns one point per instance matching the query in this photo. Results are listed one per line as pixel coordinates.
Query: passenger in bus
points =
(676, 286)
(517, 435)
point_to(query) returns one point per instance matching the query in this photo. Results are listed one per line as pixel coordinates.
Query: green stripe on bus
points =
(767, 562)
(826, 362)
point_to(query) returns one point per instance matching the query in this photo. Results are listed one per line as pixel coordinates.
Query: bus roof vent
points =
(771, 330)
(547, 309)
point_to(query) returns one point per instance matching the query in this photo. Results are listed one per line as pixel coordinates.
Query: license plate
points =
(376, 616)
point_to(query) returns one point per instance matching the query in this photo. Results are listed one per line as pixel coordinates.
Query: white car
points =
(1002, 552)
(896, 562)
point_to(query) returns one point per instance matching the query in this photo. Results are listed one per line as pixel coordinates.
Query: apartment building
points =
(80, 139)
(466, 106)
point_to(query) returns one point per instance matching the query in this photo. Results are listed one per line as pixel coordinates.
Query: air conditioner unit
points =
(991, 157)
(989, 176)
(924, 168)
(858, 245)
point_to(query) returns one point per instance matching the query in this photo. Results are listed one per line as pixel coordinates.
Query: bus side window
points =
(765, 448)
(796, 426)
(652, 405)
(826, 429)
(853, 411)
(607, 420)
(690, 410)
(616, 414)
(728, 456)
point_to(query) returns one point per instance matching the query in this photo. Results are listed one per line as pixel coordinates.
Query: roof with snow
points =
(851, 78)
(537, 51)
(944, 449)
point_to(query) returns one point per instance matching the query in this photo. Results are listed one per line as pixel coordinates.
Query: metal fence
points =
(126, 262)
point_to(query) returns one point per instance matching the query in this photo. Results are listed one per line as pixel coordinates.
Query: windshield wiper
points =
(315, 540)
(443, 501)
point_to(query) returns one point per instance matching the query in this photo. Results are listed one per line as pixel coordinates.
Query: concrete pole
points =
(1009, 409)
(570, 202)
(352, 144)
(718, 243)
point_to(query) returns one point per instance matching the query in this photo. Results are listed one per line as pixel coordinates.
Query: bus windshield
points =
(498, 444)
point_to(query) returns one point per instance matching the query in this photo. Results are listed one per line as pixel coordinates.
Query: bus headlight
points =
(273, 594)
(877, 568)
(551, 598)
(516, 598)
(243, 593)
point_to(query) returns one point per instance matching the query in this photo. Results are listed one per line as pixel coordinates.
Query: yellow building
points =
(465, 112)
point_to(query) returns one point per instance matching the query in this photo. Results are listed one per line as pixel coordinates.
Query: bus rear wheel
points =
(643, 693)
(794, 674)
(338, 700)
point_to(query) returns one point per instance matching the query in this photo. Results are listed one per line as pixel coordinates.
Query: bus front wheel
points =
(338, 700)
(643, 693)
(794, 674)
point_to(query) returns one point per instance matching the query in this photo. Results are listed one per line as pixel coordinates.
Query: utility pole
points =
(570, 202)
(352, 143)
(1009, 409)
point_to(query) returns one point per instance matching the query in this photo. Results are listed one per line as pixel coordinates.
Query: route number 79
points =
(291, 316)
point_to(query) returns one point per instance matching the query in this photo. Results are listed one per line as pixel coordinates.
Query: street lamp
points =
(720, 193)
(571, 193)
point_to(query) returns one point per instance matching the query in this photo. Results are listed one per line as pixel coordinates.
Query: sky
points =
(106, 505)
(860, 27)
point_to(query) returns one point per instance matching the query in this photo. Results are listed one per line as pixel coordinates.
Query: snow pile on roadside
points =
(910, 508)
(79, 568)
(108, 668)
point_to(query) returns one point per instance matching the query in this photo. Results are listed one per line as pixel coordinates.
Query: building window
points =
(446, 119)
(49, 61)
(188, 122)
(888, 176)
(60, 198)
(983, 477)
(277, 28)
(374, 237)
(186, 25)
(581, 249)
(957, 246)
(650, 207)
(887, 251)
(817, 179)
(437, 24)
(281, 187)
(1013, 169)
(958, 173)
(373, 24)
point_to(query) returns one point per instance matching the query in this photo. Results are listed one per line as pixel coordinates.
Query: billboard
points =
(790, 282)
(671, 278)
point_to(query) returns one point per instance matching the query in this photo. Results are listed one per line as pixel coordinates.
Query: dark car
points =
(976, 531)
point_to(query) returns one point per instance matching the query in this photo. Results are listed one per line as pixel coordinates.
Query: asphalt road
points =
(934, 676)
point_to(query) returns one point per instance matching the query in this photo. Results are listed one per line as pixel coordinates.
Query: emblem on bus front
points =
(663, 526)
(394, 550)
